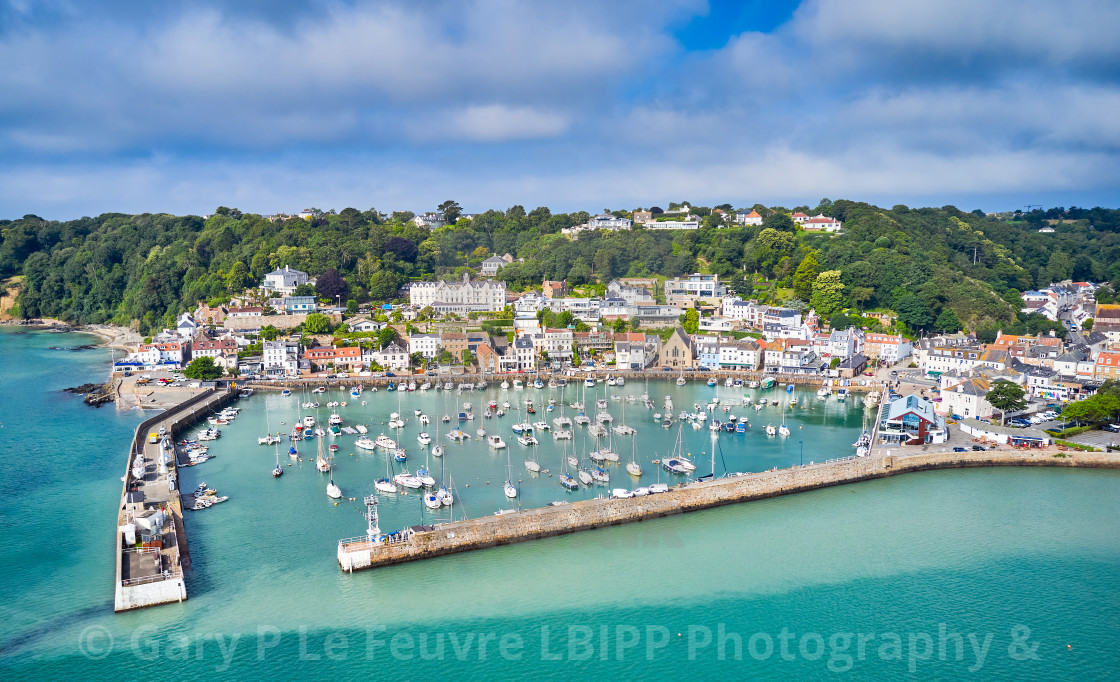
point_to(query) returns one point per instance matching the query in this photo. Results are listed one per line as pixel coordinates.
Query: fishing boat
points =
(842, 394)
(712, 382)
(681, 380)
(768, 382)
(823, 392)
(399, 455)
(285, 393)
(308, 422)
(518, 385)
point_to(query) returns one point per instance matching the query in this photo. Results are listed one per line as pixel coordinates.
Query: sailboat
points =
(437, 451)
(385, 485)
(279, 470)
(333, 490)
(676, 463)
(509, 488)
(566, 479)
(584, 475)
(680, 379)
(632, 467)
(532, 464)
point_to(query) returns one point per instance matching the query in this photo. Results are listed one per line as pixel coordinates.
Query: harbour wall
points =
(173, 588)
(534, 524)
(855, 384)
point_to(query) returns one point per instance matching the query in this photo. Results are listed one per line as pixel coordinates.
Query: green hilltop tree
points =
(1006, 396)
(805, 275)
(828, 293)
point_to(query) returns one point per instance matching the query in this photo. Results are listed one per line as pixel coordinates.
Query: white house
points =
(280, 357)
(424, 344)
(185, 327)
(740, 355)
(363, 325)
(684, 291)
(491, 265)
(525, 353)
(606, 221)
(392, 356)
(821, 222)
(751, 217)
(284, 281)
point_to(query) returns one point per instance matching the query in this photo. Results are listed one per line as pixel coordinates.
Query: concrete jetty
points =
(151, 540)
(449, 538)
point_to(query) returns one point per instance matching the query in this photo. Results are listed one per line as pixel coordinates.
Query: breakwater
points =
(450, 538)
(151, 540)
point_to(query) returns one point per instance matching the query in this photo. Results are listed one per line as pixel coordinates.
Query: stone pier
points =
(151, 573)
(532, 524)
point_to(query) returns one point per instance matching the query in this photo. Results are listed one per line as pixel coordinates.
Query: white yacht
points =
(495, 441)
(365, 444)
(424, 438)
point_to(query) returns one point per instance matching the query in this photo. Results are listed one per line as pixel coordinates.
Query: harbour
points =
(994, 538)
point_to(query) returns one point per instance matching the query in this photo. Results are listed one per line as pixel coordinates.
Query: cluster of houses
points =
(1049, 368)
(684, 219)
(1071, 301)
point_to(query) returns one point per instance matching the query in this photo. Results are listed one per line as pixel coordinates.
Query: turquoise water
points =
(980, 552)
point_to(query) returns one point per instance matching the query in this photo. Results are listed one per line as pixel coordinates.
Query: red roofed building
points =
(822, 223)
(799, 217)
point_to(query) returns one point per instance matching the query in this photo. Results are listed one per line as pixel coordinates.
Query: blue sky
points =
(273, 106)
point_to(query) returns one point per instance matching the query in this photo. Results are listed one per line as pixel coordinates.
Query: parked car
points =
(979, 448)
(1113, 428)
(959, 449)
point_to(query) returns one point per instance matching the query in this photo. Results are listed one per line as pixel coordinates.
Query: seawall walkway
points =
(359, 553)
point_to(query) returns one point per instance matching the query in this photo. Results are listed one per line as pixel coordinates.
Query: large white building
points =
(284, 281)
(424, 344)
(459, 297)
(684, 291)
(280, 357)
